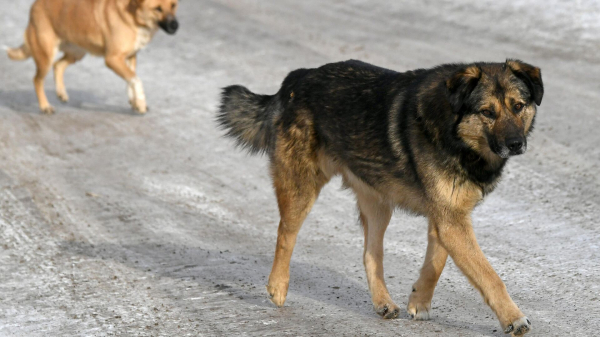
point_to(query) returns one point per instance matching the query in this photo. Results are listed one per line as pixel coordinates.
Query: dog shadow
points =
(243, 276)
(25, 101)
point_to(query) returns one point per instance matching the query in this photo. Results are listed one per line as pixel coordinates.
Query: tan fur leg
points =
(132, 63)
(59, 74)
(295, 203)
(419, 303)
(118, 63)
(457, 236)
(375, 215)
(42, 43)
(298, 181)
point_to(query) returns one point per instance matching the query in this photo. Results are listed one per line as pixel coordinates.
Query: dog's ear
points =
(532, 76)
(461, 84)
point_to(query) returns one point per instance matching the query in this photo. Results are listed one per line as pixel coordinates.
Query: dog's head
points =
(153, 13)
(497, 105)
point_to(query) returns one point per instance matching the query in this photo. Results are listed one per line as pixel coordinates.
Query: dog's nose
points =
(515, 144)
(174, 25)
(169, 24)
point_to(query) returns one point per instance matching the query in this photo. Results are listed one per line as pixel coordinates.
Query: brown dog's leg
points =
(42, 42)
(118, 63)
(419, 303)
(298, 181)
(375, 215)
(457, 236)
(59, 74)
(132, 63)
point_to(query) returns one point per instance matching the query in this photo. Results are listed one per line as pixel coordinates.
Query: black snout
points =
(169, 25)
(516, 145)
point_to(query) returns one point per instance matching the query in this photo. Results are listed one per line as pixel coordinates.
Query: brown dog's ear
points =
(461, 84)
(532, 76)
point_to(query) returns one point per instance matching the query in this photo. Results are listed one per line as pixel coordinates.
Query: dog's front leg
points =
(132, 63)
(137, 98)
(457, 237)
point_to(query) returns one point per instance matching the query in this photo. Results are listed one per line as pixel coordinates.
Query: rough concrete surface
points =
(117, 224)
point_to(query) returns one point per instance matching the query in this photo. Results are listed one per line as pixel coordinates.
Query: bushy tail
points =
(248, 117)
(19, 54)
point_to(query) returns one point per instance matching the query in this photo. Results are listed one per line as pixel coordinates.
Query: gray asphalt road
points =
(116, 224)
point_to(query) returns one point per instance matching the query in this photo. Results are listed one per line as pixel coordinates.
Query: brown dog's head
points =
(153, 13)
(497, 103)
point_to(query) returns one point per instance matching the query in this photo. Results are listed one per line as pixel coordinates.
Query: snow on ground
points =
(116, 224)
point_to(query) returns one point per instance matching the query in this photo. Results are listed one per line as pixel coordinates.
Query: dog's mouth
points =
(502, 152)
(169, 25)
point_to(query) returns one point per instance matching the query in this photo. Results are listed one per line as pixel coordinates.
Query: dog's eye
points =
(488, 113)
(158, 9)
(173, 6)
(518, 107)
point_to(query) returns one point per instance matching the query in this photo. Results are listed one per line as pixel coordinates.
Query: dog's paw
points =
(47, 110)
(139, 107)
(419, 311)
(277, 293)
(419, 305)
(519, 327)
(387, 310)
(62, 96)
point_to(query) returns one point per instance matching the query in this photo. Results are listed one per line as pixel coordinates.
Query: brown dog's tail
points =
(249, 117)
(20, 53)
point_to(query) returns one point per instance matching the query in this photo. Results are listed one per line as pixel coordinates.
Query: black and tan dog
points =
(114, 29)
(432, 142)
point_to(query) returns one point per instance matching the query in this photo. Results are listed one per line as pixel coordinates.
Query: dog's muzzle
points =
(169, 24)
(516, 145)
(512, 146)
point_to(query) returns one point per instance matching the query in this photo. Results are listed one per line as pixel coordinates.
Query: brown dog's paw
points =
(62, 96)
(49, 110)
(519, 327)
(140, 108)
(277, 294)
(388, 310)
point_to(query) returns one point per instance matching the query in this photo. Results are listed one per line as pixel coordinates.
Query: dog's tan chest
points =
(144, 36)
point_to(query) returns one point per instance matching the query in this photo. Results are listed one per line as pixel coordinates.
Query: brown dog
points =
(115, 29)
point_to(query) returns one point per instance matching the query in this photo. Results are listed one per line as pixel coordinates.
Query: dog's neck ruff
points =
(144, 36)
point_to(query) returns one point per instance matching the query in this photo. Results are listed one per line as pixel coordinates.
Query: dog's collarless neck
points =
(478, 169)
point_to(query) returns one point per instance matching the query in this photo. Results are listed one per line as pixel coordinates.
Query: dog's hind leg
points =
(419, 303)
(43, 43)
(298, 180)
(59, 72)
(375, 215)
